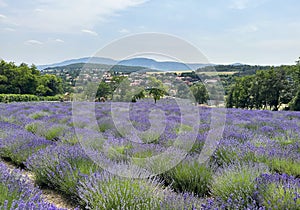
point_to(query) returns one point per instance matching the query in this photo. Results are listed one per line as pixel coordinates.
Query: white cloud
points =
(69, 16)
(59, 40)
(2, 17)
(89, 32)
(124, 31)
(33, 42)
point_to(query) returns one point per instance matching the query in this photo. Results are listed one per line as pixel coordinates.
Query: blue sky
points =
(225, 31)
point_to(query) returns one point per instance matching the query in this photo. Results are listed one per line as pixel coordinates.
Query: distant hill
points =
(105, 67)
(140, 62)
(95, 60)
(162, 65)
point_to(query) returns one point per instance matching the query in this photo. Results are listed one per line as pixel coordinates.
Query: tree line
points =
(24, 79)
(267, 89)
(119, 89)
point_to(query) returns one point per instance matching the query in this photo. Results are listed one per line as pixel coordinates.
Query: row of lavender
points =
(256, 164)
(17, 193)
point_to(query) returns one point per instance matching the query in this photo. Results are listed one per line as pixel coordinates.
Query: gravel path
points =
(49, 195)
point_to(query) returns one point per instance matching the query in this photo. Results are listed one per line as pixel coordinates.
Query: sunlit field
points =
(256, 163)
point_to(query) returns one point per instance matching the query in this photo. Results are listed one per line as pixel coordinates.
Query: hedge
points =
(7, 98)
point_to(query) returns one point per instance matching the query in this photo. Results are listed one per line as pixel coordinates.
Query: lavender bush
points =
(278, 191)
(61, 167)
(64, 155)
(16, 193)
(237, 183)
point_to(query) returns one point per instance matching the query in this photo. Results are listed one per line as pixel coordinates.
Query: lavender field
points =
(254, 165)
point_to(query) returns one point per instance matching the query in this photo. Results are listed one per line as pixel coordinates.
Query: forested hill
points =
(238, 70)
(94, 66)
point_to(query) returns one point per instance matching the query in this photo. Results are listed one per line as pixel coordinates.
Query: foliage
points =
(49, 85)
(23, 79)
(15, 193)
(270, 88)
(7, 98)
(104, 90)
(200, 93)
(190, 176)
(236, 182)
(112, 192)
(278, 191)
(156, 93)
(295, 103)
(284, 165)
(61, 167)
(229, 180)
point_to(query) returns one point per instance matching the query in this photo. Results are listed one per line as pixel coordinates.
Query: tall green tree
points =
(49, 85)
(104, 90)
(200, 93)
(156, 93)
(270, 89)
(115, 83)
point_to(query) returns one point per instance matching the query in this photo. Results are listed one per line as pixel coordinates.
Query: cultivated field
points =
(104, 165)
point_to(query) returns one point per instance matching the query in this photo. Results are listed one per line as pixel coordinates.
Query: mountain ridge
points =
(140, 62)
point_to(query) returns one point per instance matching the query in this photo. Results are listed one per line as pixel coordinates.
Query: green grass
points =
(105, 126)
(38, 115)
(276, 196)
(236, 182)
(190, 177)
(121, 193)
(287, 166)
(183, 128)
(118, 153)
(21, 156)
(223, 157)
(7, 196)
(51, 133)
(150, 137)
(32, 127)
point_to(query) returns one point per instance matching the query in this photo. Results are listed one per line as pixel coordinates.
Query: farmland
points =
(255, 164)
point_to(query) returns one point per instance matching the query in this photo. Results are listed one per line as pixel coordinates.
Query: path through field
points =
(49, 195)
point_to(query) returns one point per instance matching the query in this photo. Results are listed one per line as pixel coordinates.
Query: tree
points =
(295, 103)
(156, 93)
(138, 96)
(49, 85)
(115, 83)
(104, 90)
(20, 79)
(200, 93)
(264, 89)
(229, 100)
(183, 91)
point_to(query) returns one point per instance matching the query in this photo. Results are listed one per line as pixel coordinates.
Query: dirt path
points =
(48, 195)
